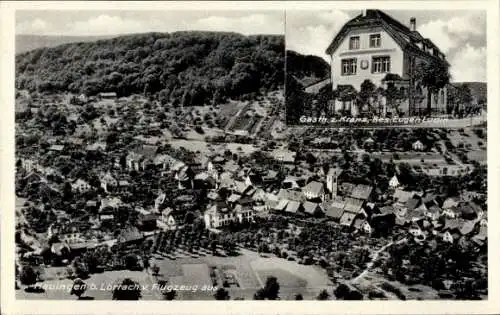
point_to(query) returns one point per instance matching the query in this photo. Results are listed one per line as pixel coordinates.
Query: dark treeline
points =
(190, 68)
(306, 65)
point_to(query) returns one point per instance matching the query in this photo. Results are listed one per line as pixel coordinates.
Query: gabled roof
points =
(412, 203)
(353, 205)
(313, 187)
(147, 151)
(467, 227)
(450, 202)
(56, 147)
(310, 207)
(281, 205)
(290, 195)
(111, 202)
(347, 219)
(362, 192)
(453, 224)
(358, 223)
(406, 38)
(96, 146)
(164, 158)
(386, 210)
(233, 198)
(403, 195)
(347, 188)
(80, 181)
(293, 206)
(334, 212)
(108, 177)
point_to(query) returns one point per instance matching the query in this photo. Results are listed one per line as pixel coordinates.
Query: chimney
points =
(364, 12)
(413, 24)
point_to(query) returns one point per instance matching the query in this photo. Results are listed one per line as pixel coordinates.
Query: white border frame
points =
(12, 306)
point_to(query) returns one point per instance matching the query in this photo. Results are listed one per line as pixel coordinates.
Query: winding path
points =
(369, 265)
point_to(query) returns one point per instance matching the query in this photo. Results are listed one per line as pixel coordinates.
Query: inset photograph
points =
(375, 68)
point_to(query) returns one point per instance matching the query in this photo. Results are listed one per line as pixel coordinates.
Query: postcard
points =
(269, 155)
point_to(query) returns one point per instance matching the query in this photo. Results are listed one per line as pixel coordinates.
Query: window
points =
(349, 66)
(381, 64)
(354, 42)
(374, 40)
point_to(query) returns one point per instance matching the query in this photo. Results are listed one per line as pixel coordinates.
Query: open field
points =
(250, 270)
(410, 157)
(202, 146)
(480, 156)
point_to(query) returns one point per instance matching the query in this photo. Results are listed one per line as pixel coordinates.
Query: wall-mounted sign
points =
(364, 64)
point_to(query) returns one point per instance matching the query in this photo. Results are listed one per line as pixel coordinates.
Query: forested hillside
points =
(26, 43)
(306, 69)
(192, 68)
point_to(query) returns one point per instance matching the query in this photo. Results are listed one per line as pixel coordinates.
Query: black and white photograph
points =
(371, 68)
(262, 155)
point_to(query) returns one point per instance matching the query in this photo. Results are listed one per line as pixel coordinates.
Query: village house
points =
(293, 208)
(355, 206)
(168, 221)
(59, 148)
(107, 95)
(80, 186)
(450, 202)
(347, 219)
(164, 161)
(284, 156)
(314, 191)
(362, 225)
(450, 213)
(83, 99)
(313, 209)
(293, 182)
(374, 46)
(417, 146)
(362, 192)
(415, 230)
(334, 209)
(123, 186)
(481, 237)
(141, 158)
(218, 215)
(244, 214)
(184, 177)
(96, 147)
(108, 182)
(108, 208)
(28, 164)
(394, 182)
(204, 181)
(433, 212)
(146, 220)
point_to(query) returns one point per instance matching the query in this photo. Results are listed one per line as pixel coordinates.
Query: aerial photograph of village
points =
(164, 155)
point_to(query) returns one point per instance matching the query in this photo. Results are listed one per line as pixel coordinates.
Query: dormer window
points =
(374, 40)
(354, 42)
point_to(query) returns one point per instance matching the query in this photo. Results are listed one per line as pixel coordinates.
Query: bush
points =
(199, 130)
(28, 276)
